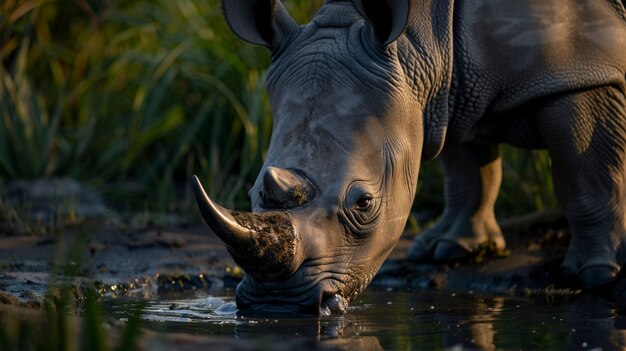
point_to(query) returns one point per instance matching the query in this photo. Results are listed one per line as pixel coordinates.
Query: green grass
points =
(134, 97)
(526, 185)
(71, 316)
(65, 324)
(526, 182)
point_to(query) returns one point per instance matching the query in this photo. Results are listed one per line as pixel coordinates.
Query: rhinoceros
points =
(370, 88)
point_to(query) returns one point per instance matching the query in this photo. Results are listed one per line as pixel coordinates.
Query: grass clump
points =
(134, 97)
(17, 220)
(71, 316)
(58, 328)
(526, 184)
(139, 94)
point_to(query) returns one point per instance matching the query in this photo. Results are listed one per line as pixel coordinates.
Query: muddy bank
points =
(115, 260)
(536, 246)
(146, 262)
(157, 264)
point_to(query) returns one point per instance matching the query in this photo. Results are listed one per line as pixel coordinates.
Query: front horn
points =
(264, 244)
(220, 219)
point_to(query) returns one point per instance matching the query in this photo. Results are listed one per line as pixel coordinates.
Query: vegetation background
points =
(133, 97)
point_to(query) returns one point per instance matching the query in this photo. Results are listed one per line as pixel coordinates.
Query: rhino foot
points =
(443, 251)
(597, 276)
(593, 277)
(468, 227)
(418, 252)
(592, 262)
(447, 251)
(463, 237)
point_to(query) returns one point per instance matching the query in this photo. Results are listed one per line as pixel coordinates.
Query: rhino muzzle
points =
(264, 244)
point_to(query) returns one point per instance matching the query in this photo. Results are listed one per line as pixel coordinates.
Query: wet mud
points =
(119, 261)
(530, 266)
(272, 247)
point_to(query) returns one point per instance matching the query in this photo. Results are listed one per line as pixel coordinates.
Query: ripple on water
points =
(198, 310)
(412, 320)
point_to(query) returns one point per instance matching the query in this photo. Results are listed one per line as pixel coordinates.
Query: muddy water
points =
(396, 320)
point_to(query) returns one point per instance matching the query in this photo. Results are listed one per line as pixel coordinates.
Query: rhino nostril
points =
(284, 189)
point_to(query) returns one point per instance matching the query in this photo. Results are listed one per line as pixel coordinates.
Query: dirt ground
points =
(115, 260)
(119, 261)
(536, 246)
(153, 262)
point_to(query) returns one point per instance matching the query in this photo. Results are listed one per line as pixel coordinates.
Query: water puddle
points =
(397, 320)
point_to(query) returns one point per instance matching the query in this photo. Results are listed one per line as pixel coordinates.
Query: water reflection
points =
(479, 330)
(595, 324)
(392, 320)
(340, 332)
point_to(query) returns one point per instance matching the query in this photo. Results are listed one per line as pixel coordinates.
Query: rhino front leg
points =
(473, 173)
(586, 136)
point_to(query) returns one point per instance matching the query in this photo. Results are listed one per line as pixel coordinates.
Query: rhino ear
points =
(388, 17)
(260, 22)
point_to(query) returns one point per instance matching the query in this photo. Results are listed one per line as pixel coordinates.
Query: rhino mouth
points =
(333, 304)
(295, 296)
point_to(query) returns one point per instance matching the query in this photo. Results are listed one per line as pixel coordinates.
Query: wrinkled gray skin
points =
(367, 90)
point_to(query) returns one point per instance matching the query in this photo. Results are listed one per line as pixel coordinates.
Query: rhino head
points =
(340, 175)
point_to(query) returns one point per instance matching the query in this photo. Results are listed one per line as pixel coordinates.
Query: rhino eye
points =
(364, 202)
(361, 209)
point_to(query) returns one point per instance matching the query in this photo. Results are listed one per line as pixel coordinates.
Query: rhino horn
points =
(285, 189)
(220, 219)
(264, 244)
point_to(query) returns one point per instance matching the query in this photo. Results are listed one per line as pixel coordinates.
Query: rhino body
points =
(368, 89)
